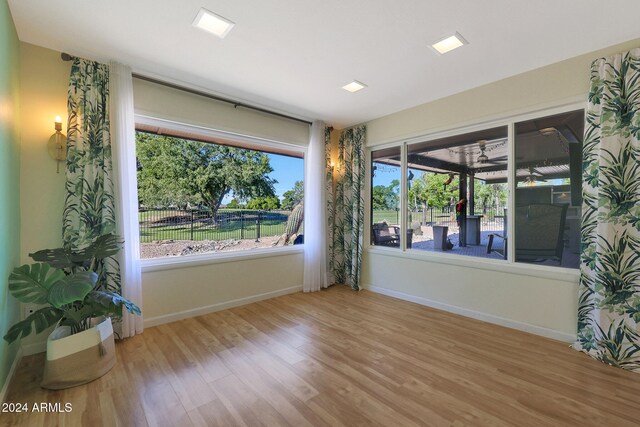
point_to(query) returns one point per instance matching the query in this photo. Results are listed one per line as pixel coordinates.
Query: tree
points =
(429, 190)
(234, 204)
(174, 171)
(294, 196)
(489, 196)
(385, 197)
(264, 203)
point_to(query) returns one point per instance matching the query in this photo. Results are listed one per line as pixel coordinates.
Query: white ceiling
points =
(294, 55)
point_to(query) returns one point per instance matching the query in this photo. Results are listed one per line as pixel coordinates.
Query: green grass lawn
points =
(391, 217)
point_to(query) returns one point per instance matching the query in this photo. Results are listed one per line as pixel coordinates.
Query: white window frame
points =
(509, 265)
(174, 262)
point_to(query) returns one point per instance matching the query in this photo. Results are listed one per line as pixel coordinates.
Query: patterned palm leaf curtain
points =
(89, 208)
(346, 208)
(609, 290)
(331, 198)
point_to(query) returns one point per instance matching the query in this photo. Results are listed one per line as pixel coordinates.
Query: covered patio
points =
(548, 169)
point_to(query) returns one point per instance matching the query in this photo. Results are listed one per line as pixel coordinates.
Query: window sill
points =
(545, 272)
(177, 262)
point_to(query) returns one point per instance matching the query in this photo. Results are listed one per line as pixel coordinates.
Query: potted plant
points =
(79, 300)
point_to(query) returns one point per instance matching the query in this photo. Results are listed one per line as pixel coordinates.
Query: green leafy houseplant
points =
(72, 283)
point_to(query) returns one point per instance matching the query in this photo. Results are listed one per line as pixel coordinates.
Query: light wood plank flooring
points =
(335, 358)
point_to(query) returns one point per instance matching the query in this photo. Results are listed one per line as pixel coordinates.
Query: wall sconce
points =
(58, 144)
(332, 171)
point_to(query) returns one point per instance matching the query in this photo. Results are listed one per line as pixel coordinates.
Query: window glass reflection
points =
(548, 193)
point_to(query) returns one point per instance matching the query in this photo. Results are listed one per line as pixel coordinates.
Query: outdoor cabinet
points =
(440, 237)
(473, 229)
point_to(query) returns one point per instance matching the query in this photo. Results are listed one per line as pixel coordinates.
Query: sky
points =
(286, 170)
(387, 173)
(384, 174)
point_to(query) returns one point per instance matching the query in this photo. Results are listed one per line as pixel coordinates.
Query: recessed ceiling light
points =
(449, 43)
(212, 23)
(354, 86)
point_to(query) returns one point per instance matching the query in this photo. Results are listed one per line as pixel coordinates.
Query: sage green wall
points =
(9, 181)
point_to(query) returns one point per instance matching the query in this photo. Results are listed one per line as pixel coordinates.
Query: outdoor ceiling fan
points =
(533, 175)
(483, 158)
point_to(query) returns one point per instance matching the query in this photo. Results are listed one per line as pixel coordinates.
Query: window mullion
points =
(511, 185)
(403, 197)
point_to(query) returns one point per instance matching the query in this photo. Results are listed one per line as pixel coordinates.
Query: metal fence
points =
(492, 217)
(200, 224)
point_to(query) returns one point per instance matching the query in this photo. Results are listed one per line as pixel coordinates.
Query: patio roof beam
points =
(521, 165)
(568, 134)
(492, 168)
(430, 162)
(462, 193)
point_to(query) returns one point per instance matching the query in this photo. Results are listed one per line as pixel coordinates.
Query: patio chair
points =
(502, 251)
(502, 236)
(385, 235)
(539, 230)
(389, 235)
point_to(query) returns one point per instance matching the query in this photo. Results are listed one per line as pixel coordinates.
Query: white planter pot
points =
(80, 358)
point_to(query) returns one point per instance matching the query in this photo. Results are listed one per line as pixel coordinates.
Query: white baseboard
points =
(168, 318)
(490, 318)
(12, 372)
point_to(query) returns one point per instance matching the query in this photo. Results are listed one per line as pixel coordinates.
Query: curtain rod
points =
(236, 104)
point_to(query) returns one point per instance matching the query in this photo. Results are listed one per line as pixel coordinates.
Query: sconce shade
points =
(58, 146)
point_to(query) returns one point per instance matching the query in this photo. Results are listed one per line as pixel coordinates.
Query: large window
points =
(385, 198)
(457, 192)
(456, 188)
(548, 194)
(210, 195)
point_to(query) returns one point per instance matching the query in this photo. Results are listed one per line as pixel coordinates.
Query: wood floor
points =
(335, 358)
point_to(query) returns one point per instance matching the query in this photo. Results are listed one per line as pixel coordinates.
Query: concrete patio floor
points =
(425, 242)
